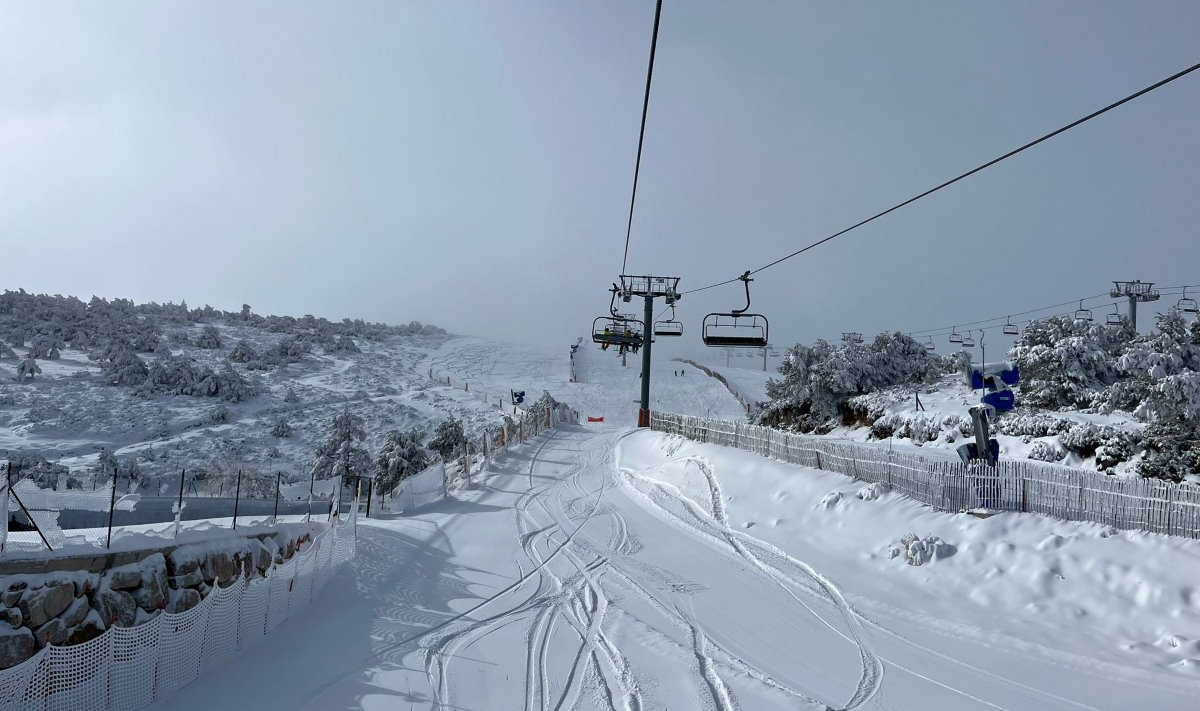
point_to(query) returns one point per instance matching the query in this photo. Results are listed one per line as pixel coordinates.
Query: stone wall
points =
(85, 595)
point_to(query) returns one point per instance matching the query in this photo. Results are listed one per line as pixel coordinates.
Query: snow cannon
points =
(1002, 373)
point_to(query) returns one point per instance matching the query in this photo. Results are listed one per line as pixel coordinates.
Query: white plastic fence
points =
(1036, 487)
(131, 667)
(419, 490)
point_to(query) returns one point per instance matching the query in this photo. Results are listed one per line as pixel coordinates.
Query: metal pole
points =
(369, 487)
(647, 339)
(182, 472)
(311, 484)
(275, 515)
(112, 504)
(24, 510)
(237, 496)
(1133, 311)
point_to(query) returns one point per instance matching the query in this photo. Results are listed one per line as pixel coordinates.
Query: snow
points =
(599, 567)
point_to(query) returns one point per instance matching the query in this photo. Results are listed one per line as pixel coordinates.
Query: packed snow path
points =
(574, 577)
(563, 582)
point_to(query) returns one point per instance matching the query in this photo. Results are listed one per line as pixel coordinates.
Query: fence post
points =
(179, 502)
(237, 497)
(275, 515)
(369, 487)
(112, 504)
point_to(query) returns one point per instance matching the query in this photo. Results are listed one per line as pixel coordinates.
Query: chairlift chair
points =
(1010, 328)
(929, 344)
(735, 329)
(1082, 314)
(616, 330)
(613, 331)
(670, 327)
(954, 337)
(1113, 319)
(968, 341)
(1186, 305)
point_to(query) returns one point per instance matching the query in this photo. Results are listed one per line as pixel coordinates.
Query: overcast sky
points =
(469, 164)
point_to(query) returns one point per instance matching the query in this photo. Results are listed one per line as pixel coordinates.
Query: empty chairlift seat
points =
(736, 329)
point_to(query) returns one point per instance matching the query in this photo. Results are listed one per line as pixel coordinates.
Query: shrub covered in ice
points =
(209, 338)
(1047, 452)
(919, 551)
(281, 429)
(242, 353)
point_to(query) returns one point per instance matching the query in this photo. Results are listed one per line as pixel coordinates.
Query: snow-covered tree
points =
(290, 396)
(342, 454)
(242, 353)
(403, 454)
(28, 369)
(449, 439)
(1067, 362)
(209, 338)
(345, 344)
(281, 429)
(818, 380)
(107, 463)
(124, 367)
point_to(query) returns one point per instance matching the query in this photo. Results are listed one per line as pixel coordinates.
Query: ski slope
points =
(600, 567)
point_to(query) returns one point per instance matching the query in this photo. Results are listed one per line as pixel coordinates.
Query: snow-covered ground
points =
(600, 567)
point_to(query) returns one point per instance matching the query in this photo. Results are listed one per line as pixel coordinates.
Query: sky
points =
(469, 164)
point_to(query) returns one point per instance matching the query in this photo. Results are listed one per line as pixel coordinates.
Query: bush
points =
(209, 338)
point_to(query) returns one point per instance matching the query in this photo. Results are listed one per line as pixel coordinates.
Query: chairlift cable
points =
(971, 172)
(642, 133)
(944, 330)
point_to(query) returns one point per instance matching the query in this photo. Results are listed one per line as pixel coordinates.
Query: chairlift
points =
(968, 341)
(735, 329)
(1113, 319)
(929, 345)
(616, 330)
(607, 330)
(1010, 328)
(1186, 305)
(1082, 314)
(670, 327)
(954, 337)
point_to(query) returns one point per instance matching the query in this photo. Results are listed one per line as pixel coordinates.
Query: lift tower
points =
(649, 288)
(1136, 291)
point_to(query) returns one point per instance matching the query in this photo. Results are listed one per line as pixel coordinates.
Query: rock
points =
(182, 561)
(91, 628)
(152, 595)
(220, 567)
(53, 632)
(126, 577)
(92, 584)
(12, 597)
(182, 600)
(75, 613)
(116, 607)
(12, 615)
(18, 586)
(247, 565)
(40, 604)
(16, 645)
(263, 558)
(190, 580)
